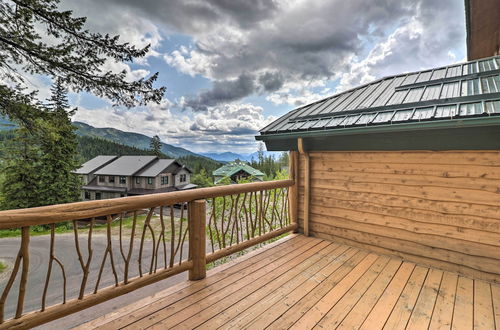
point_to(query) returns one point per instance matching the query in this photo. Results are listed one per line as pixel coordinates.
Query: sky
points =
(233, 66)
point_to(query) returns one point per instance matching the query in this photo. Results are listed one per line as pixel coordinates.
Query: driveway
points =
(65, 251)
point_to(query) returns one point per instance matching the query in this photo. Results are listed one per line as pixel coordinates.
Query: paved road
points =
(66, 252)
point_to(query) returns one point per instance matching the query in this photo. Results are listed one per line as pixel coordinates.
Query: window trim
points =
(150, 180)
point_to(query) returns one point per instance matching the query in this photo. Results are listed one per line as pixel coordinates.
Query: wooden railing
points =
(132, 242)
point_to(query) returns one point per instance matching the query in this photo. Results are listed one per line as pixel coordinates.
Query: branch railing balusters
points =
(238, 217)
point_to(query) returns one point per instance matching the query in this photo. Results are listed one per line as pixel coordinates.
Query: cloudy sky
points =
(232, 66)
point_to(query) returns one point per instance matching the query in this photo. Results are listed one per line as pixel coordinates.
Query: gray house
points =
(113, 176)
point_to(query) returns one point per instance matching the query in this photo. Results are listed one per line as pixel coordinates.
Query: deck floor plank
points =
(231, 307)
(463, 313)
(217, 278)
(221, 299)
(185, 306)
(483, 306)
(359, 312)
(345, 305)
(284, 314)
(267, 298)
(443, 311)
(304, 283)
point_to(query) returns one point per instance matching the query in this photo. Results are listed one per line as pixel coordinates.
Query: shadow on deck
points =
(302, 282)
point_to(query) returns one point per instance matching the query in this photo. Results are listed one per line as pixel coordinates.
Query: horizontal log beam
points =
(34, 319)
(251, 242)
(11, 219)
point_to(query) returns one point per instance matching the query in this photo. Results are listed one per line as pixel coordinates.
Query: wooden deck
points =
(300, 282)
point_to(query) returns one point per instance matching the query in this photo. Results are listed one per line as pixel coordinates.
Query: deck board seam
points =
(313, 245)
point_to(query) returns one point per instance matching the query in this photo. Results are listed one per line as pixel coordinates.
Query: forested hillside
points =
(90, 147)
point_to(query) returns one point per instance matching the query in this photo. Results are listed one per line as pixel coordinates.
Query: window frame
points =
(101, 179)
(111, 178)
(150, 181)
(97, 193)
(137, 180)
(123, 180)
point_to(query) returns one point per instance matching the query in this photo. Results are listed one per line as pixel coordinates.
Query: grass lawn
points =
(2, 267)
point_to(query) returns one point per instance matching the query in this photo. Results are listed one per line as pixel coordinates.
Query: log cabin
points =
(393, 201)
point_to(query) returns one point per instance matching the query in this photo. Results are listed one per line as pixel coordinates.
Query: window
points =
(97, 195)
(102, 179)
(122, 195)
(182, 178)
(164, 180)
(150, 180)
(87, 194)
(123, 180)
(111, 179)
(137, 180)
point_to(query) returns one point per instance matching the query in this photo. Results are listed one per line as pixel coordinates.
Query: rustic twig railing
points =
(132, 242)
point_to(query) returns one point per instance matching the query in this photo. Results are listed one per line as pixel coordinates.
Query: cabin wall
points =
(438, 208)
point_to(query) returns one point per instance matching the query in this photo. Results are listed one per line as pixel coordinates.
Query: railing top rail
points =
(11, 219)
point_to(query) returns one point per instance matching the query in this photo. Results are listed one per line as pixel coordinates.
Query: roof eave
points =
(412, 126)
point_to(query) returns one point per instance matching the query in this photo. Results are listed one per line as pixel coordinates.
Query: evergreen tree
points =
(75, 55)
(58, 143)
(155, 146)
(21, 171)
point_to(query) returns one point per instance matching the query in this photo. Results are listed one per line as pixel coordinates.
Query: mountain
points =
(130, 139)
(224, 156)
(231, 156)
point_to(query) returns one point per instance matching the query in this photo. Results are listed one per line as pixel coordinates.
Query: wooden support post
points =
(197, 239)
(307, 185)
(293, 192)
(25, 242)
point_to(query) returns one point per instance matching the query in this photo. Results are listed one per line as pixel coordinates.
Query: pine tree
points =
(58, 143)
(21, 171)
(155, 146)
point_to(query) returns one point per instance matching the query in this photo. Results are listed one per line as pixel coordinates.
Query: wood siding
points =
(437, 208)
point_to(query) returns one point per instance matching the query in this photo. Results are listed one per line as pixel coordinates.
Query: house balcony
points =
(311, 273)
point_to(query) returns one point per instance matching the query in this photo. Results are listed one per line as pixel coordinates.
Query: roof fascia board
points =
(414, 126)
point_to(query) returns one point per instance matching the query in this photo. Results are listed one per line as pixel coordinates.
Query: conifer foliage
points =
(155, 146)
(37, 37)
(39, 161)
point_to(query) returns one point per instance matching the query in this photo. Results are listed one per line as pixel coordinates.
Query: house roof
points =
(126, 165)
(235, 167)
(452, 93)
(95, 164)
(155, 168)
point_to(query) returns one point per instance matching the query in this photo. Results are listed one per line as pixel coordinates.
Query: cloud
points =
(232, 126)
(222, 92)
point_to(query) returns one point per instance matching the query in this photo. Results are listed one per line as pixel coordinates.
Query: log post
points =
(293, 195)
(307, 184)
(197, 239)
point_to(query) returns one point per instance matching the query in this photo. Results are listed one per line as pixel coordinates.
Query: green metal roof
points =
(235, 167)
(449, 94)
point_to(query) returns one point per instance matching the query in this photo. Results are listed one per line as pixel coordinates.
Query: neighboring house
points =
(112, 176)
(236, 171)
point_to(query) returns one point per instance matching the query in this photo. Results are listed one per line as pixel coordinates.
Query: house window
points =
(102, 179)
(137, 180)
(97, 195)
(123, 180)
(111, 179)
(87, 194)
(150, 180)
(182, 178)
(164, 180)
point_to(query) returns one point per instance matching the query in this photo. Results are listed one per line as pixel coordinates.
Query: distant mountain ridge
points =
(231, 156)
(137, 140)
